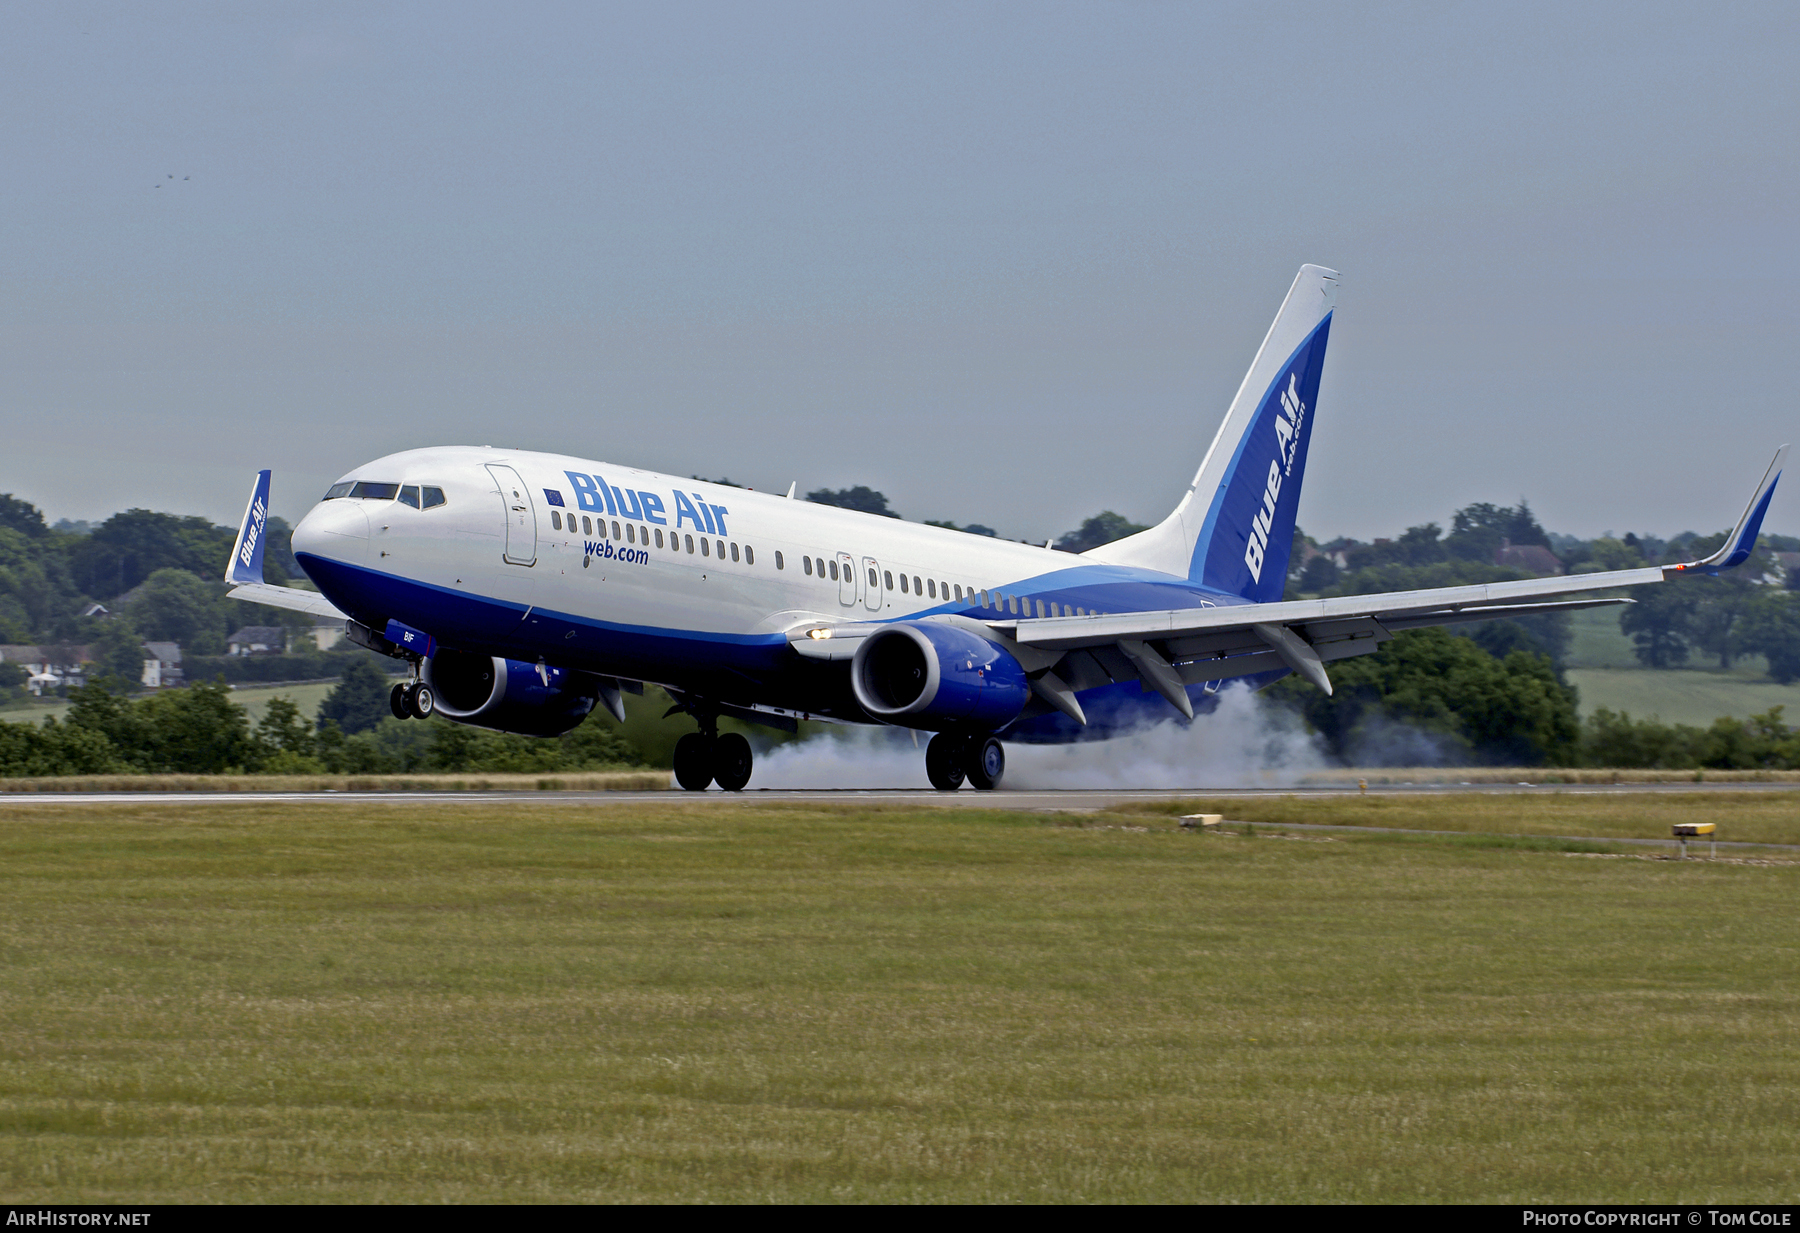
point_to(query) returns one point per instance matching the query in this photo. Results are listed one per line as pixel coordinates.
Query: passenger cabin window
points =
(704, 551)
(587, 525)
(409, 495)
(659, 538)
(819, 563)
(903, 584)
(834, 576)
(779, 563)
(750, 556)
(556, 520)
(734, 551)
(916, 590)
(886, 574)
(805, 564)
(434, 497)
(690, 544)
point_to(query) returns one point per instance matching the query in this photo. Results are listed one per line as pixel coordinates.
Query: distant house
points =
(162, 665)
(49, 666)
(1534, 559)
(1789, 563)
(257, 640)
(327, 634)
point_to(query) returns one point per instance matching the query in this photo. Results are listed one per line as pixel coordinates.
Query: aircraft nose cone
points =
(334, 530)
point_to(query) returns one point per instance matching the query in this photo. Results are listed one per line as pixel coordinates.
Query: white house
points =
(258, 640)
(162, 665)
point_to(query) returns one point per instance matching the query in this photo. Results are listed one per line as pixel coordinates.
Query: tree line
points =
(202, 730)
(1429, 697)
(1492, 692)
(1753, 609)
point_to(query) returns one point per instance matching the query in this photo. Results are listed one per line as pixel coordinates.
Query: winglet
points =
(1742, 541)
(246, 564)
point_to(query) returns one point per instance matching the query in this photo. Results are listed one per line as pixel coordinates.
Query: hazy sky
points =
(1006, 263)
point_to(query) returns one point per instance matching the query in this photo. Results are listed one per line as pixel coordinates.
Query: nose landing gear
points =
(414, 701)
(952, 757)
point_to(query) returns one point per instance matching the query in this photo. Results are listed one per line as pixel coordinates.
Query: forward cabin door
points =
(872, 597)
(521, 517)
(846, 579)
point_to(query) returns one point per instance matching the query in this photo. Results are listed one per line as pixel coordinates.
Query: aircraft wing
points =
(1173, 649)
(291, 598)
(245, 569)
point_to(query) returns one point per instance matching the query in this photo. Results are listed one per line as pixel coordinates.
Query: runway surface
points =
(1061, 800)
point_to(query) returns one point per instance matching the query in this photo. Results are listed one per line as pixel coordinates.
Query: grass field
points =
(1683, 696)
(1604, 668)
(535, 1001)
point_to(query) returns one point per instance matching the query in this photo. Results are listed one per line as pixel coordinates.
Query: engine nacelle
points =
(922, 674)
(509, 695)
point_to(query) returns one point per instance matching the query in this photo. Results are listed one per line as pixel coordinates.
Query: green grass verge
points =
(1743, 817)
(539, 1002)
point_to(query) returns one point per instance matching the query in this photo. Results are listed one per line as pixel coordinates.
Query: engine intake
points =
(923, 674)
(509, 695)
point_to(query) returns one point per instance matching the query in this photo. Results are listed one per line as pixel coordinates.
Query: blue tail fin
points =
(246, 564)
(1234, 530)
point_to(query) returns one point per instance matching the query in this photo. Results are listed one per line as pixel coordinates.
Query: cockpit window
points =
(433, 497)
(409, 495)
(375, 492)
(338, 490)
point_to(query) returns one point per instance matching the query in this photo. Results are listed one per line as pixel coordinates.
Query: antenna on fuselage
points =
(791, 488)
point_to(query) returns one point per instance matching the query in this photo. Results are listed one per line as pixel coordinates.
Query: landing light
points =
(818, 634)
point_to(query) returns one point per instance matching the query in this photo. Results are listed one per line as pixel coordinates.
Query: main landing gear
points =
(414, 701)
(952, 757)
(706, 757)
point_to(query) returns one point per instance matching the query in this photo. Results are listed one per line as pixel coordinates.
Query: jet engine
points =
(509, 695)
(923, 674)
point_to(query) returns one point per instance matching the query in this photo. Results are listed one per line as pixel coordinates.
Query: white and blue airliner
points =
(527, 588)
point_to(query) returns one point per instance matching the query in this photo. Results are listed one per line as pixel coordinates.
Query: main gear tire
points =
(397, 702)
(732, 761)
(985, 763)
(694, 762)
(421, 701)
(943, 762)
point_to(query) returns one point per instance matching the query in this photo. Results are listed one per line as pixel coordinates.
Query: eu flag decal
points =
(553, 496)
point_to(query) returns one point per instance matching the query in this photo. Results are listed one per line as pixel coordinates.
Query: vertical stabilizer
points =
(246, 564)
(1234, 528)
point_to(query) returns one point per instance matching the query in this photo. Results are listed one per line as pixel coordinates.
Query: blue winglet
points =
(1742, 541)
(246, 564)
